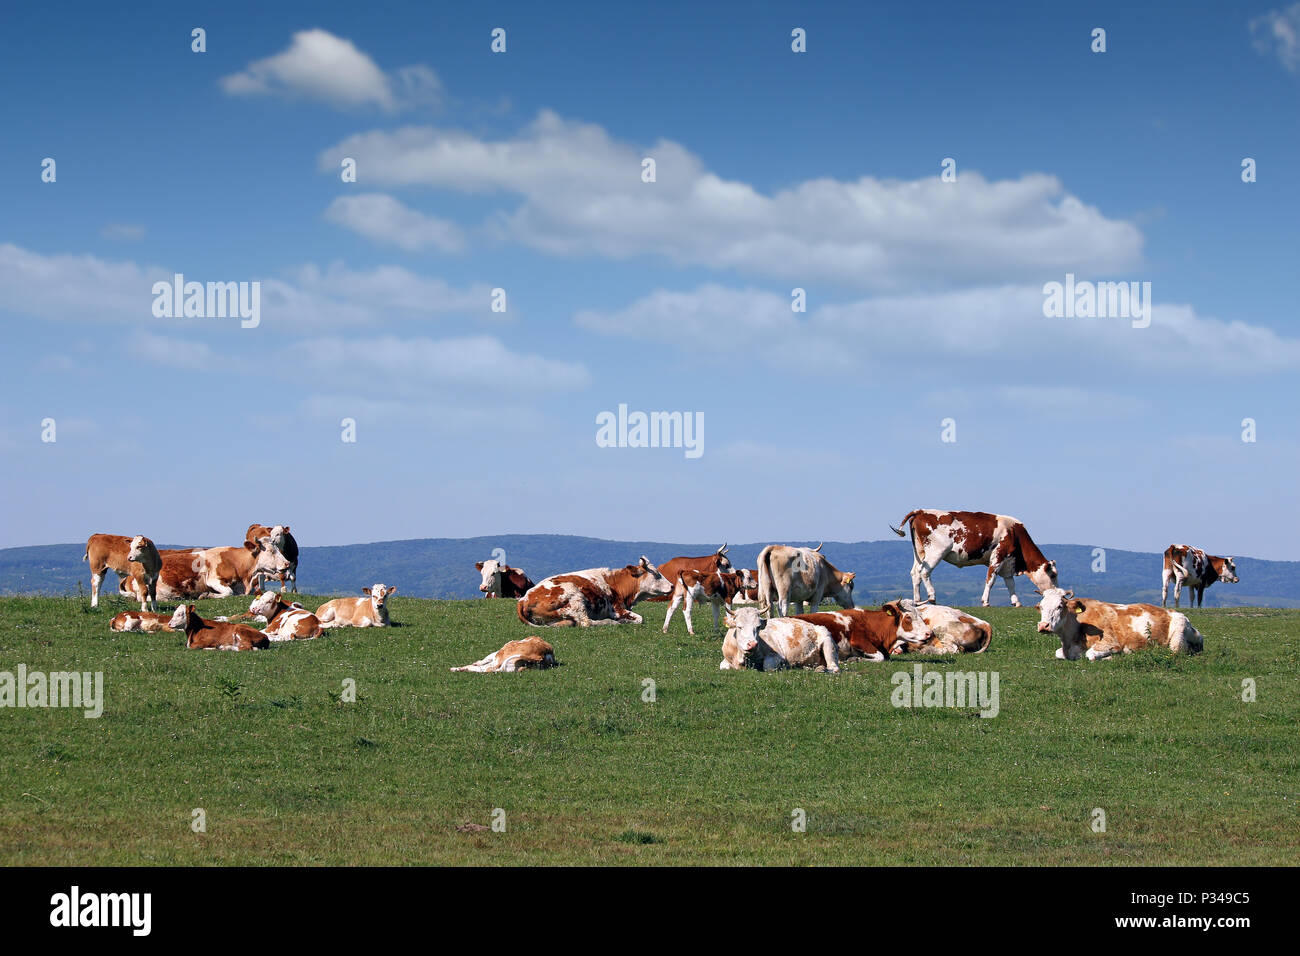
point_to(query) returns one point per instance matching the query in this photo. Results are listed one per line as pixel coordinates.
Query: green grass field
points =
(586, 771)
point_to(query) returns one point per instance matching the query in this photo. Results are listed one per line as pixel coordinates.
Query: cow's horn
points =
(819, 547)
(723, 549)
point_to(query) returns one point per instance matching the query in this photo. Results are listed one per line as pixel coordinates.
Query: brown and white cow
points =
(368, 611)
(285, 621)
(749, 593)
(1196, 569)
(514, 656)
(591, 597)
(1095, 629)
(180, 578)
(284, 543)
(719, 588)
(954, 631)
(127, 557)
(796, 575)
(776, 643)
(673, 567)
(966, 538)
(873, 635)
(141, 622)
(501, 580)
(215, 635)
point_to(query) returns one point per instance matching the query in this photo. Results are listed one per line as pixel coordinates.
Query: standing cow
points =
(1095, 629)
(501, 580)
(966, 538)
(594, 596)
(1198, 570)
(719, 588)
(796, 575)
(776, 643)
(284, 543)
(709, 564)
(128, 557)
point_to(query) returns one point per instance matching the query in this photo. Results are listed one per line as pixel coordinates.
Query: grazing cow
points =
(776, 643)
(285, 543)
(787, 574)
(368, 611)
(141, 622)
(1095, 629)
(515, 656)
(719, 588)
(709, 564)
(127, 557)
(874, 635)
(966, 538)
(594, 596)
(285, 621)
(1193, 567)
(215, 635)
(954, 631)
(501, 580)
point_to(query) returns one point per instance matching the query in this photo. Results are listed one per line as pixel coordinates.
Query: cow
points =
(776, 643)
(787, 574)
(954, 631)
(1198, 570)
(180, 578)
(127, 557)
(591, 597)
(368, 611)
(749, 593)
(874, 635)
(285, 543)
(501, 580)
(141, 622)
(966, 538)
(515, 656)
(673, 567)
(719, 588)
(201, 572)
(215, 635)
(1095, 629)
(285, 621)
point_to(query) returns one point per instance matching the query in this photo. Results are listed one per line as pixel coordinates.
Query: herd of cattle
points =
(761, 632)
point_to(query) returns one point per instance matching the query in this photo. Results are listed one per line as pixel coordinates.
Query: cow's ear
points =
(286, 529)
(1076, 606)
(478, 565)
(251, 546)
(392, 590)
(365, 590)
(850, 576)
(891, 609)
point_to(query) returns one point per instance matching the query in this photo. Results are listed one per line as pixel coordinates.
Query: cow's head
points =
(743, 625)
(278, 535)
(748, 579)
(264, 604)
(649, 582)
(724, 563)
(910, 626)
(489, 569)
(180, 618)
(378, 595)
(843, 585)
(1058, 614)
(1228, 572)
(140, 547)
(1044, 576)
(268, 558)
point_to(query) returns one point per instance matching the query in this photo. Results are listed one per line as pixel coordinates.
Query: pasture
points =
(586, 771)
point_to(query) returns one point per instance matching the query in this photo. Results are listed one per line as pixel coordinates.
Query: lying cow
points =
(285, 621)
(128, 557)
(515, 656)
(966, 538)
(594, 596)
(873, 635)
(140, 622)
(954, 631)
(215, 635)
(789, 575)
(709, 564)
(719, 588)
(501, 580)
(368, 611)
(187, 575)
(284, 543)
(1095, 629)
(776, 643)
(1196, 569)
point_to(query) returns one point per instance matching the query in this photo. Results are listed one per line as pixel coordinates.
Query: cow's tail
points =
(86, 556)
(765, 581)
(519, 610)
(903, 524)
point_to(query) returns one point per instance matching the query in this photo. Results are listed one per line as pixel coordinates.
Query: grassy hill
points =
(444, 568)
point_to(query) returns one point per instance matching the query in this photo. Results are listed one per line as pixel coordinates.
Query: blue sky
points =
(775, 170)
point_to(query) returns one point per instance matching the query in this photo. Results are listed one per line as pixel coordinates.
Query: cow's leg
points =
(830, 654)
(1164, 587)
(1011, 586)
(96, 579)
(1103, 649)
(988, 585)
(690, 604)
(716, 601)
(921, 571)
(479, 667)
(916, 580)
(677, 600)
(293, 577)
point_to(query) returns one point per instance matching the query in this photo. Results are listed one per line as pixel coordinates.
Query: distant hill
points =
(444, 568)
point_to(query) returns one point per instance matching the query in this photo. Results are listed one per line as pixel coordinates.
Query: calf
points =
(128, 557)
(368, 611)
(776, 643)
(709, 564)
(873, 635)
(594, 596)
(954, 631)
(1095, 629)
(1193, 567)
(285, 621)
(515, 656)
(141, 622)
(284, 543)
(501, 580)
(719, 588)
(797, 575)
(215, 635)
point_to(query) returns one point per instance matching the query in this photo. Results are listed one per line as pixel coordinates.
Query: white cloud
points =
(321, 66)
(581, 194)
(1277, 33)
(382, 218)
